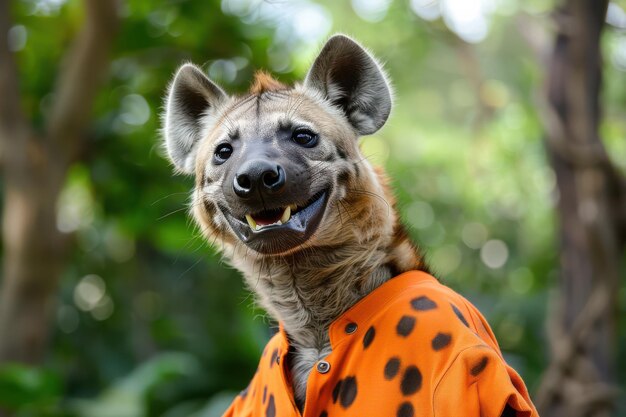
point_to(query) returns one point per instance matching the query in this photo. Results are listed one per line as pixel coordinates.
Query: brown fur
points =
(264, 82)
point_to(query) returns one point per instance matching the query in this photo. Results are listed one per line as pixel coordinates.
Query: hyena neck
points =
(307, 291)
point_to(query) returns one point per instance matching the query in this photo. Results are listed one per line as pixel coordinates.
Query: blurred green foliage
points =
(151, 323)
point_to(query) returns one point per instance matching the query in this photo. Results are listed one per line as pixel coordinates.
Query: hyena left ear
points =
(191, 98)
(351, 79)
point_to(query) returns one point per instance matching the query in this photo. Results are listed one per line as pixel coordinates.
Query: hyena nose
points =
(267, 177)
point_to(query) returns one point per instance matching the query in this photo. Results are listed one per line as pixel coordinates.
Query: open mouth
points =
(266, 218)
(280, 229)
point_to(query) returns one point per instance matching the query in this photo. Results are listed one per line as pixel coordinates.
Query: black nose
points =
(267, 176)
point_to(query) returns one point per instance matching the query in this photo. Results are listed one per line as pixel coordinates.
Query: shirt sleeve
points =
(479, 383)
(230, 412)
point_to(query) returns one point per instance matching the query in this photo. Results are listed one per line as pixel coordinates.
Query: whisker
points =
(171, 212)
(372, 194)
(190, 268)
(168, 196)
(339, 214)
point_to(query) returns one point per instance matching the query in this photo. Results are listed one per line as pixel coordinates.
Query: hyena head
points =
(279, 171)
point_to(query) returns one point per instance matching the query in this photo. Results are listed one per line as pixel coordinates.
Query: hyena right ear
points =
(351, 79)
(191, 97)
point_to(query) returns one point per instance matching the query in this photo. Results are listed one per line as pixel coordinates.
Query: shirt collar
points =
(362, 312)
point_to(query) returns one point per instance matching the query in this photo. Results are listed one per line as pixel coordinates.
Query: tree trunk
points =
(591, 211)
(34, 167)
(34, 252)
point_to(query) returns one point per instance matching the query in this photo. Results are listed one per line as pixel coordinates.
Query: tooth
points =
(251, 222)
(286, 215)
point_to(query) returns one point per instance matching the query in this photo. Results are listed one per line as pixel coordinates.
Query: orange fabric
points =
(419, 349)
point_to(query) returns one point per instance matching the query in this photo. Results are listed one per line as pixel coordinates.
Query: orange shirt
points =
(413, 347)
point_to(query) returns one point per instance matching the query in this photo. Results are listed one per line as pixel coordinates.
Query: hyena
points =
(283, 190)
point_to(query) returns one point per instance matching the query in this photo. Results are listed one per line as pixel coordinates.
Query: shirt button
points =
(351, 328)
(323, 367)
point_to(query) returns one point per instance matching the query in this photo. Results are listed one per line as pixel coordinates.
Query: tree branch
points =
(11, 116)
(85, 65)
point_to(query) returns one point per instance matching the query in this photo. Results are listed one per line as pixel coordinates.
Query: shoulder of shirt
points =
(439, 306)
(430, 296)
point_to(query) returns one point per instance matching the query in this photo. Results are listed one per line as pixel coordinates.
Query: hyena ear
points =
(351, 79)
(192, 96)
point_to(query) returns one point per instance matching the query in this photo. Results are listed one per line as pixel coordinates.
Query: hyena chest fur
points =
(301, 361)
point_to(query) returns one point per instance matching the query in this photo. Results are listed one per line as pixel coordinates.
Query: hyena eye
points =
(304, 137)
(222, 153)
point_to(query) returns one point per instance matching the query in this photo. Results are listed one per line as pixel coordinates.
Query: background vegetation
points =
(149, 322)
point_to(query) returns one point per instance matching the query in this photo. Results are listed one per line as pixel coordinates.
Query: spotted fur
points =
(360, 242)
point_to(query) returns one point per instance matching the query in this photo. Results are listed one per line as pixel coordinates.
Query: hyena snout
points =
(259, 175)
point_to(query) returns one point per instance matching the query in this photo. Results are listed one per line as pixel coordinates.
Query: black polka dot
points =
(423, 303)
(411, 380)
(348, 391)
(264, 394)
(270, 411)
(480, 366)
(459, 314)
(274, 357)
(391, 368)
(441, 341)
(405, 410)
(336, 390)
(369, 337)
(324, 414)
(405, 326)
